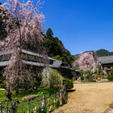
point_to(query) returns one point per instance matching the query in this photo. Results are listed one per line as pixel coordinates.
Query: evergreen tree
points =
(49, 33)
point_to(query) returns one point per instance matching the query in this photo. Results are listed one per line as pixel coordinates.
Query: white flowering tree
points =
(24, 27)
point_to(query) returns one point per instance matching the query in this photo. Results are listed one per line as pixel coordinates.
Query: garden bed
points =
(35, 99)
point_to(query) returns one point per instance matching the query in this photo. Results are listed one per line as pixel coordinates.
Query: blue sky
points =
(82, 25)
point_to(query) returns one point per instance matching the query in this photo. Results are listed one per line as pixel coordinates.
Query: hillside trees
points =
(103, 52)
(25, 21)
(56, 49)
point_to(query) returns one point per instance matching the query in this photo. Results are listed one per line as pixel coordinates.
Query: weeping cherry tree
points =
(24, 27)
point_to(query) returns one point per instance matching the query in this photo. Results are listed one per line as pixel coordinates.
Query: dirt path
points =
(89, 98)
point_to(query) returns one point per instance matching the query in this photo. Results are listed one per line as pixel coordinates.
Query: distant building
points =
(106, 62)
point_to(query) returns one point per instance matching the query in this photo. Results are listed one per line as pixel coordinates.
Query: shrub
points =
(110, 75)
(2, 78)
(51, 78)
(68, 83)
(88, 76)
(2, 85)
(82, 78)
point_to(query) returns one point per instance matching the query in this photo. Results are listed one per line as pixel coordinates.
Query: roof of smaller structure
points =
(105, 59)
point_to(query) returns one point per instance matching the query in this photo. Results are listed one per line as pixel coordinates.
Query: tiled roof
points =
(56, 64)
(106, 59)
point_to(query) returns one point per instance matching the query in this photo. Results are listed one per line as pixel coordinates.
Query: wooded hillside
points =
(56, 49)
(103, 52)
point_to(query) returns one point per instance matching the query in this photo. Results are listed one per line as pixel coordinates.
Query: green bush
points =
(82, 78)
(2, 85)
(110, 75)
(89, 77)
(68, 83)
(42, 109)
(51, 78)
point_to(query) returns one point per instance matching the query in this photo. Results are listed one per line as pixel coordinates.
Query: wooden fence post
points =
(63, 95)
(44, 100)
(58, 99)
(44, 103)
(7, 107)
(22, 108)
(1, 106)
(14, 106)
(37, 109)
(54, 100)
(28, 102)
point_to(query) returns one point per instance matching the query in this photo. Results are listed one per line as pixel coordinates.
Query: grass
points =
(23, 93)
(2, 95)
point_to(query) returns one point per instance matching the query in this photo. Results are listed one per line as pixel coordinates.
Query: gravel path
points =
(89, 98)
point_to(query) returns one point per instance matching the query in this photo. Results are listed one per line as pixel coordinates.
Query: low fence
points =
(44, 105)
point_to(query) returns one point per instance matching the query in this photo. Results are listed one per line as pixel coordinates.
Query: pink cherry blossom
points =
(23, 25)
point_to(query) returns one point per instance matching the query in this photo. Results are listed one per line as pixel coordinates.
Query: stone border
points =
(1, 89)
(110, 109)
